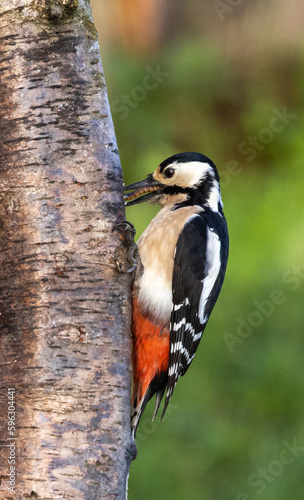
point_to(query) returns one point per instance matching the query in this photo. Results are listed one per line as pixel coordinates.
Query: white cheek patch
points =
(213, 268)
(189, 174)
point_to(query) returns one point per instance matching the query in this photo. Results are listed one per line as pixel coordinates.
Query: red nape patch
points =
(150, 354)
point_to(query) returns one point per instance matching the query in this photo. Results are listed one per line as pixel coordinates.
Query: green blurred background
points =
(225, 78)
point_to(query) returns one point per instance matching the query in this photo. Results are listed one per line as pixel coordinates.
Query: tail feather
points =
(157, 386)
(138, 410)
(169, 393)
(159, 397)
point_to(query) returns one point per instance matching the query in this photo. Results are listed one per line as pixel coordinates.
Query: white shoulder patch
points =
(213, 266)
(215, 197)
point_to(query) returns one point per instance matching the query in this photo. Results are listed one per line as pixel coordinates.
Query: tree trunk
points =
(64, 307)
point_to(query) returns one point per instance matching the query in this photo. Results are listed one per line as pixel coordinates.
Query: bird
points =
(182, 262)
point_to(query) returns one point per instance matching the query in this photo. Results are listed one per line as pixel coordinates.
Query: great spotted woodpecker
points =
(183, 257)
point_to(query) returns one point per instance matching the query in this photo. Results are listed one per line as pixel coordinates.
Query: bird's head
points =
(182, 178)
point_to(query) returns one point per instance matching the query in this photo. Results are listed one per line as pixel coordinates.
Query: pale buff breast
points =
(156, 248)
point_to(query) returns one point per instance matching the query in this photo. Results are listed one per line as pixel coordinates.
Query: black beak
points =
(146, 190)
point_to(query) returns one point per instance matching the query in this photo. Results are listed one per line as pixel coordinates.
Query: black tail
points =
(157, 386)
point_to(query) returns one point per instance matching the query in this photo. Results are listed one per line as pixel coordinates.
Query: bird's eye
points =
(169, 173)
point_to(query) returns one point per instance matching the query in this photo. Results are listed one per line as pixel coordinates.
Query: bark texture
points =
(64, 308)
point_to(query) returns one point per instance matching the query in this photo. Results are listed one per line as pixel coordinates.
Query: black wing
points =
(199, 268)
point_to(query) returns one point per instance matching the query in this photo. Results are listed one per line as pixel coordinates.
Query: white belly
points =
(156, 248)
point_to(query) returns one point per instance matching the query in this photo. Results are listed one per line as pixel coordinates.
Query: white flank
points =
(155, 294)
(213, 268)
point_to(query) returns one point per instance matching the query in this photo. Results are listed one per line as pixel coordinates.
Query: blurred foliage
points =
(242, 400)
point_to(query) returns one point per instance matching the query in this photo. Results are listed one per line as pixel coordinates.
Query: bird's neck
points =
(208, 199)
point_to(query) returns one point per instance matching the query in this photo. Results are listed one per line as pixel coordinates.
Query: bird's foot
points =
(127, 232)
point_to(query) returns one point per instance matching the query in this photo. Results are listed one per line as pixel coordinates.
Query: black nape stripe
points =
(196, 196)
(173, 190)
